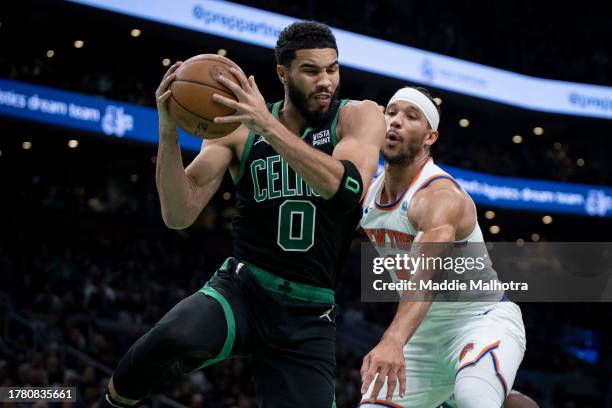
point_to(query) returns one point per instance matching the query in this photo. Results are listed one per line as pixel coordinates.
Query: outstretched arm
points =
(436, 212)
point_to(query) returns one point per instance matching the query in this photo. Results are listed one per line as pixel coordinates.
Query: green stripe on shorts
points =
(231, 326)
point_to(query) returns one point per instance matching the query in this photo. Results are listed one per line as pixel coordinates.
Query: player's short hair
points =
(300, 36)
(426, 92)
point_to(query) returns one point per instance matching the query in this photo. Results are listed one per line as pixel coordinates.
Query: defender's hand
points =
(167, 125)
(250, 108)
(386, 359)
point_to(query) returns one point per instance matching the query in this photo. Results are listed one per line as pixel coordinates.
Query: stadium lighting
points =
(438, 101)
(489, 215)
(580, 162)
(26, 145)
(166, 62)
(538, 131)
(227, 195)
(464, 123)
(535, 237)
(222, 52)
(547, 219)
(50, 53)
(78, 44)
(517, 139)
(494, 229)
(520, 242)
(73, 143)
(135, 32)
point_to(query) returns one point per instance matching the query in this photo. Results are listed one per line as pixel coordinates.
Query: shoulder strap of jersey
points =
(433, 178)
(334, 124)
(371, 192)
(246, 150)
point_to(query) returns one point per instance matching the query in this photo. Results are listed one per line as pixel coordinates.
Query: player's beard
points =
(408, 153)
(300, 100)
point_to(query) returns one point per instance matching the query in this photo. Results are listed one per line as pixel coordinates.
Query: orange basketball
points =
(191, 104)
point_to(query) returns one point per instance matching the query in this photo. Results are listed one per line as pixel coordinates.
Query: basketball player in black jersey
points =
(300, 166)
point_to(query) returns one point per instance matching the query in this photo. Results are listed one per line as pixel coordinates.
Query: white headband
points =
(420, 101)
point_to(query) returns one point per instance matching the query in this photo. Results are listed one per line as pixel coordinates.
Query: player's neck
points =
(399, 177)
(291, 118)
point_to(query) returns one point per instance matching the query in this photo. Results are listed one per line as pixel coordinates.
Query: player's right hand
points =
(386, 360)
(162, 94)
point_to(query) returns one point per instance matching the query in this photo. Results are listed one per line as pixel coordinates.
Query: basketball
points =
(191, 104)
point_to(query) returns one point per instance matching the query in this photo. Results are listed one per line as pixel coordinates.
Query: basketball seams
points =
(191, 102)
(190, 81)
(187, 110)
(190, 65)
(226, 94)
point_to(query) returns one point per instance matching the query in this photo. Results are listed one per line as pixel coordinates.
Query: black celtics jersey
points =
(283, 226)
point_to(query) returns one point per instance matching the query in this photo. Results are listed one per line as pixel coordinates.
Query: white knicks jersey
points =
(389, 229)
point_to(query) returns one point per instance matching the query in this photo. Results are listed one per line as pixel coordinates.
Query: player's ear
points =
(431, 137)
(282, 73)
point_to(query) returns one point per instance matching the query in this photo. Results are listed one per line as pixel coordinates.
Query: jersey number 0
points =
(296, 225)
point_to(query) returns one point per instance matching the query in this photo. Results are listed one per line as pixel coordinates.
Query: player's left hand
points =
(386, 359)
(251, 108)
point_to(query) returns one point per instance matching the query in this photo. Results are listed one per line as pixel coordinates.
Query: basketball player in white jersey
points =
(433, 350)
